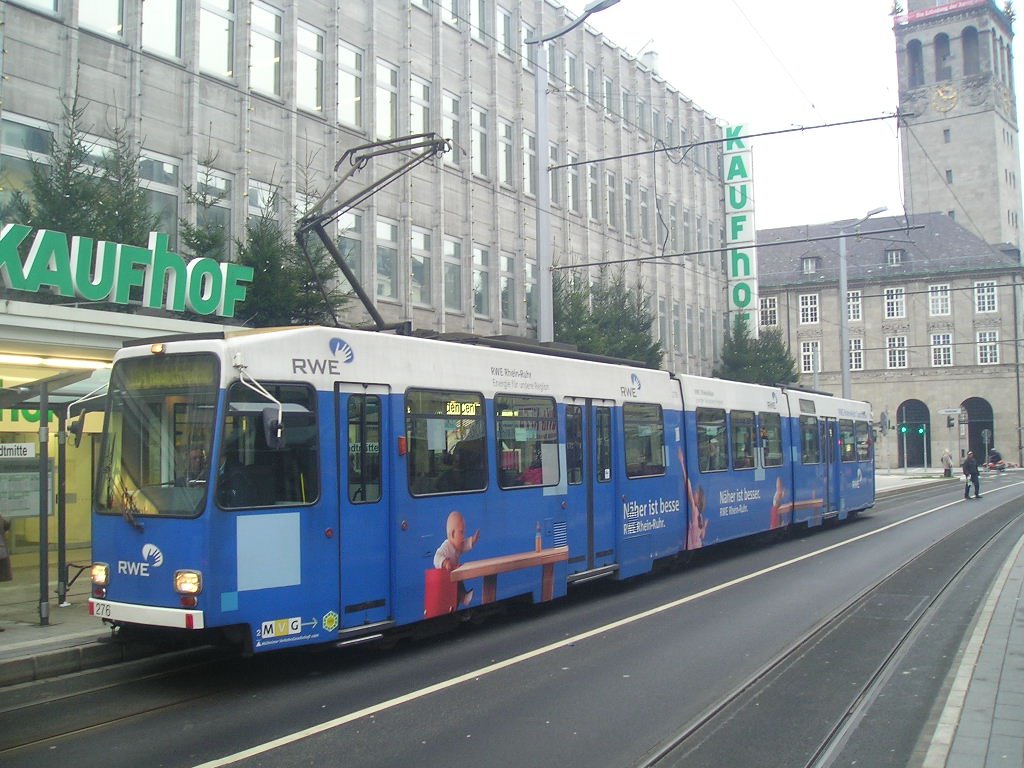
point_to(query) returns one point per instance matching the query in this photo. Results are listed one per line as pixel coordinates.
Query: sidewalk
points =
(982, 723)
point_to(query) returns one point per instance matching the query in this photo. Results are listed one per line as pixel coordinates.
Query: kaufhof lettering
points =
(79, 267)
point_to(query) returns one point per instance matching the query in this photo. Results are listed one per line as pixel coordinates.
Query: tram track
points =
(767, 694)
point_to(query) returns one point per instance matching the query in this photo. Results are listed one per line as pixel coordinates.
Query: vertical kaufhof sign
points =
(739, 227)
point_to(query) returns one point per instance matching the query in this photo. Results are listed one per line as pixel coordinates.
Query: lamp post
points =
(844, 301)
(545, 288)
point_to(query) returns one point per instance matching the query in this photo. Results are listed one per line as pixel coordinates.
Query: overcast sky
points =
(776, 64)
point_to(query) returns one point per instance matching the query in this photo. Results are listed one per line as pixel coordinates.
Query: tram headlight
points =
(188, 582)
(100, 574)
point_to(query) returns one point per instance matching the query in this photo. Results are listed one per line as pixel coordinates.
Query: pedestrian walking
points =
(970, 467)
(947, 464)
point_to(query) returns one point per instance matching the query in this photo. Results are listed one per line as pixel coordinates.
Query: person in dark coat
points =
(970, 467)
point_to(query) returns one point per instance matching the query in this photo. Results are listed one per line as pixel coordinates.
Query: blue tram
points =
(311, 485)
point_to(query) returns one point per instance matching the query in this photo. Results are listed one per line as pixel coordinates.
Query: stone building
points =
(255, 102)
(934, 319)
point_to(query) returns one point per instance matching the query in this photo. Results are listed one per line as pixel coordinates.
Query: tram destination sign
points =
(79, 267)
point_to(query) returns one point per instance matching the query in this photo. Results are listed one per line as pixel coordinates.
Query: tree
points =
(765, 360)
(609, 317)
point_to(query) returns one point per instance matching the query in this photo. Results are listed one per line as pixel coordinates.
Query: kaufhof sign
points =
(79, 267)
(739, 227)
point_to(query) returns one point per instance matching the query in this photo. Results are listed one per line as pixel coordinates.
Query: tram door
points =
(363, 472)
(833, 466)
(590, 484)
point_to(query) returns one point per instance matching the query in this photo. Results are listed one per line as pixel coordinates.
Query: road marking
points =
(476, 674)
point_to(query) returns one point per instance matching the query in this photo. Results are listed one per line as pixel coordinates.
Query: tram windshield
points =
(157, 442)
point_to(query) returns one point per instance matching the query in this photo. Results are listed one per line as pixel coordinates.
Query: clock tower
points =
(958, 110)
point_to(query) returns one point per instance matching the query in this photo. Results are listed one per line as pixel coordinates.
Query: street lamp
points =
(545, 290)
(844, 301)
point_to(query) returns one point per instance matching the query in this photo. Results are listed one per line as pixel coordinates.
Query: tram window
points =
(527, 431)
(644, 433)
(810, 444)
(742, 439)
(863, 441)
(446, 433)
(770, 438)
(603, 428)
(364, 470)
(574, 444)
(846, 440)
(712, 448)
(252, 474)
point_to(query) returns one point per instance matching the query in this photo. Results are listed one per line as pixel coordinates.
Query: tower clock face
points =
(944, 98)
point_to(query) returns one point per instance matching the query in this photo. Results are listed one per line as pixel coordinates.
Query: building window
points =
(450, 124)
(419, 105)
(387, 259)
(673, 226)
(309, 68)
(769, 311)
(645, 214)
(947, 136)
(677, 327)
(594, 193)
(895, 303)
(158, 177)
(103, 17)
(985, 296)
(530, 290)
(216, 188)
(481, 281)
(627, 106)
(611, 202)
(896, 351)
(894, 256)
(691, 333)
(808, 309)
(942, 350)
(478, 140)
(938, 300)
(350, 241)
(506, 39)
(386, 101)
(25, 142)
(854, 307)
(629, 217)
(529, 163)
(574, 192)
(949, 176)
(528, 53)
(453, 275)
(856, 354)
(508, 286)
(420, 268)
(572, 78)
(216, 37)
(809, 265)
(810, 356)
(642, 111)
(161, 27)
(988, 347)
(609, 96)
(450, 11)
(265, 50)
(350, 86)
(593, 94)
(554, 176)
(262, 200)
(506, 153)
(479, 25)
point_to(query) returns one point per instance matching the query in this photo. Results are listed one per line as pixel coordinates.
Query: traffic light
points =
(922, 429)
(903, 429)
(950, 422)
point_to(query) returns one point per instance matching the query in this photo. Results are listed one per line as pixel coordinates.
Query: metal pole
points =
(844, 319)
(44, 507)
(62, 508)
(546, 319)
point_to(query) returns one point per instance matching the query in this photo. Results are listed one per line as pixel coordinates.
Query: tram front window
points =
(158, 436)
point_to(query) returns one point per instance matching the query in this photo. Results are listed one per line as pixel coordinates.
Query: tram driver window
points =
(742, 439)
(252, 474)
(712, 448)
(446, 433)
(527, 440)
(644, 434)
(846, 440)
(810, 444)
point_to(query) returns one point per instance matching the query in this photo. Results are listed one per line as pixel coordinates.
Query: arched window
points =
(972, 59)
(943, 70)
(915, 64)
